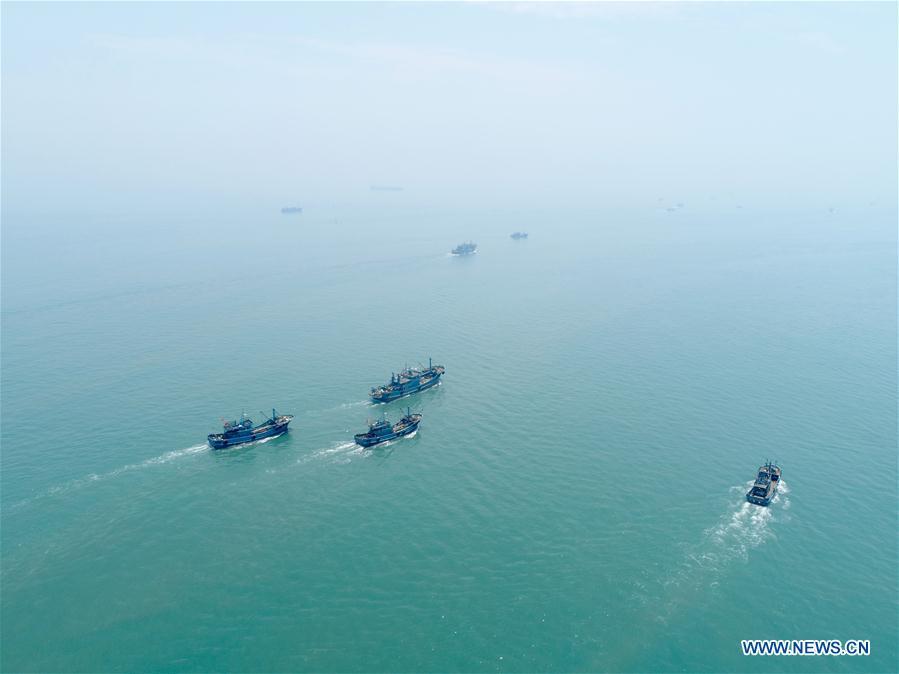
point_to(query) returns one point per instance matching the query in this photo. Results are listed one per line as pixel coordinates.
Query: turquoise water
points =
(572, 502)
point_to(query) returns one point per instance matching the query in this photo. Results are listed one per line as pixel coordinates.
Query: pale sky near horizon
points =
(482, 103)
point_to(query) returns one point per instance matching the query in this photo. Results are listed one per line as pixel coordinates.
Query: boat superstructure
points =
(467, 248)
(383, 431)
(243, 431)
(765, 486)
(407, 382)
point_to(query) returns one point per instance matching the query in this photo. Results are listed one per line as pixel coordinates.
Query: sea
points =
(574, 500)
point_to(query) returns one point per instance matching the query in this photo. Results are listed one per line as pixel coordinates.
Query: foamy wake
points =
(337, 451)
(741, 529)
(93, 478)
(344, 452)
(734, 536)
(337, 408)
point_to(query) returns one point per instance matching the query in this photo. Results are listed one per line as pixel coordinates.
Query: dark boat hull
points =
(366, 440)
(764, 488)
(218, 441)
(402, 392)
(762, 500)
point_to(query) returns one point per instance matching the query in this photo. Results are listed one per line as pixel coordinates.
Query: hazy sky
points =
(468, 102)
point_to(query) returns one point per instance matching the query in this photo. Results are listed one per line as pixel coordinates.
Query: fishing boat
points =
(764, 488)
(467, 248)
(407, 382)
(383, 431)
(242, 432)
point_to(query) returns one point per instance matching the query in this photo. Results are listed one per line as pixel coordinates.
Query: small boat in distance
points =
(407, 382)
(288, 210)
(467, 248)
(382, 430)
(765, 486)
(235, 433)
(518, 235)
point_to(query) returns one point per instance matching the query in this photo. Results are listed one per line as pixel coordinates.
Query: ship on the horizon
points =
(764, 489)
(288, 210)
(467, 248)
(383, 431)
(409, 381)
(519, 235)
(239, 433)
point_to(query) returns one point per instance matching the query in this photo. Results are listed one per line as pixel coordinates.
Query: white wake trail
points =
(93, 478)
(742, 528)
